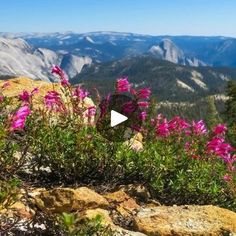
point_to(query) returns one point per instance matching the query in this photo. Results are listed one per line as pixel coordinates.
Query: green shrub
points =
(9, 191)
(181, 162)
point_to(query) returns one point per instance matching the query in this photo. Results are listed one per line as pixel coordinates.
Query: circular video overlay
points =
(118, 117)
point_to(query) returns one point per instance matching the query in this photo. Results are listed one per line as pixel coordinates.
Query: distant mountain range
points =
(177, 68)
(167, 80)
(107, 46)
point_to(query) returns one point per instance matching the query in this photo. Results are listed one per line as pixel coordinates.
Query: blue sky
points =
(156, 17)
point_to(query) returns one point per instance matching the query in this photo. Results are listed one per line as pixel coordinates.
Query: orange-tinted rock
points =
(17, 85)
(124, 205)
(186, 221)
(22, 210)
(60, 200)
(122, 199)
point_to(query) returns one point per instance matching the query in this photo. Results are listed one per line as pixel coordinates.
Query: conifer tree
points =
(230, 111)
(212, 115)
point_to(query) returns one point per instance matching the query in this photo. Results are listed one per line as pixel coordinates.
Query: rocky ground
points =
(127, 211)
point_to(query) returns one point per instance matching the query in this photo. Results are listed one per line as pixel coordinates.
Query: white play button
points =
(117, 118)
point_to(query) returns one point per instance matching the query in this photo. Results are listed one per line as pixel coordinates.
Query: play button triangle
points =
(117, 118)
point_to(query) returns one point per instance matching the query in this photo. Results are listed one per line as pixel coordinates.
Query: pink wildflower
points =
(65, 82)
(91, 111)
(199, 127)
(129, 107)
(218, 147)
(18, 124)
(58, 71)
(187, 132)
(223, 150)
(163, 129)
(178, 124)
(230, 163)
(144, 93)
(24, 96)
(143, 115)
(220, 129)
(214, 144)
(143, 104)
(19, 118)
(229, 159)
(104, 105)
(53, 100)
(155, 121)
(80, 93)
(227, 178)
(187, 146)
(123, 85)
(22, 112)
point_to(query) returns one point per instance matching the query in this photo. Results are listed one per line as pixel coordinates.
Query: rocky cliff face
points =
(18, 58)
(167, 50)
(73, 65)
